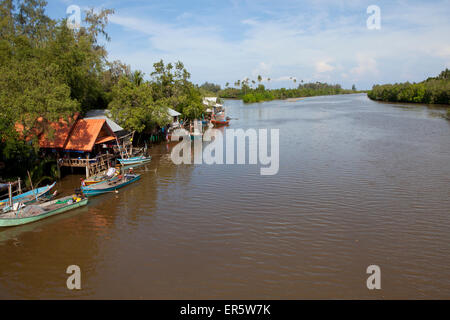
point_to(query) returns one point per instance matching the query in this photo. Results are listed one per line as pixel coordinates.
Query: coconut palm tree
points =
(137, 77)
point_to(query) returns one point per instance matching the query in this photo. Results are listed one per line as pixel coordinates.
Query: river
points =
(359, 183)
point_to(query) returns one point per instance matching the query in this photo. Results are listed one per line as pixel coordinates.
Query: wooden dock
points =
(92, 165)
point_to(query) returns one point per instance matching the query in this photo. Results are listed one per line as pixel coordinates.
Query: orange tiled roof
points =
(104, 139)
(61, 131)
(85, 133)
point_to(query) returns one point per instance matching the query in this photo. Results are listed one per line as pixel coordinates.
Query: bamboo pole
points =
(87, 167)
(31, 183)
(131, 146)
(10, 194)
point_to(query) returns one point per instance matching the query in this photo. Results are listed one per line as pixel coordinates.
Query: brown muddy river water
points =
(359, 183)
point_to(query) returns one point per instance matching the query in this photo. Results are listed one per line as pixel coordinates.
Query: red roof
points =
(54, 138)
(61, 131)
(87, 132)
(74, 135)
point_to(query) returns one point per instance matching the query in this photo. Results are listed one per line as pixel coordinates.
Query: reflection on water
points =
(360, 183)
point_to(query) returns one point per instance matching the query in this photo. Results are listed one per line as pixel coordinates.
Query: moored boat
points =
(218, 123)
(36, 212)
(30, 196)
(110, 185)
(102, 176)
(135, 160)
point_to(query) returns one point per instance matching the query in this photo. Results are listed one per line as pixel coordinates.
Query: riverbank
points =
(251, 95)
(293, 99)
(434, 90)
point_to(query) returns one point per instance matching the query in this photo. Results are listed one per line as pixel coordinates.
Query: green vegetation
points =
(258, 96)
(210, 88)
(49, 71)
(431, 91)
(140, 105)
(249, 94)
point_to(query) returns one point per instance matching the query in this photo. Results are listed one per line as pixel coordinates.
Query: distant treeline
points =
(434, 90)
(252, 93)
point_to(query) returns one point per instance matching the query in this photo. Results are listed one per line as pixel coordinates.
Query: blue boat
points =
(30, 196)
(110, 185)
(135, 160)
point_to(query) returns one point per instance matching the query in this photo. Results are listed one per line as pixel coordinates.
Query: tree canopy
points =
(51, 71)
(252, 93)
(434, 90)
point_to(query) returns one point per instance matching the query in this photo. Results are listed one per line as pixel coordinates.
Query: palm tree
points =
(245, 84)
(226, 84)
(259, 78)
(137, 77)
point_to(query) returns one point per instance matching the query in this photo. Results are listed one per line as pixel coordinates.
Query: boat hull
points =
(91, 191)
(11, 222)
(94, 179)
(134, 160)
(219, 123)
(90, 182)
(30, 196)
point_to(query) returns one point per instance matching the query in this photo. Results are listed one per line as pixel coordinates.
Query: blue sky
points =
(310, 40)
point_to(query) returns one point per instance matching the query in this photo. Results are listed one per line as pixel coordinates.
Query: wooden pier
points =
(92, 165)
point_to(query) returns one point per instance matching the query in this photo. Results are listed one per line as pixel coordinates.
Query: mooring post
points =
(10, 194)
(87, 166)
(59, 169)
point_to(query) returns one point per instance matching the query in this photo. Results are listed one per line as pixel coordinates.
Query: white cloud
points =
(366, 65)
(263, 69)
(323, 66)
(309, 46)
(284, 79)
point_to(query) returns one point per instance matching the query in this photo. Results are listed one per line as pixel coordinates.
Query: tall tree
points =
(133, 106)
(171, 84)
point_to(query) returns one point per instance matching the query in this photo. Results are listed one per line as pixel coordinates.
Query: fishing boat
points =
(30, 196)
(135, 160)
(218, 118)
(196, 130)
(110, 185)
(36, 212)
(102, 176)
(219, 123)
